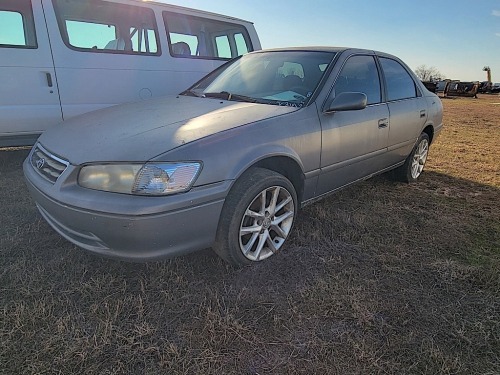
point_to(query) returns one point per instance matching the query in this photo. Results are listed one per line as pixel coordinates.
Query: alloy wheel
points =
(266, 223)
(419, 158)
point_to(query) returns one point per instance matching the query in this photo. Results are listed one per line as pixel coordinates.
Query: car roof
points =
(307, 48)
(327, 49)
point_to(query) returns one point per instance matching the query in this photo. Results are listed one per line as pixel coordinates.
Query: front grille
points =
(47, 165)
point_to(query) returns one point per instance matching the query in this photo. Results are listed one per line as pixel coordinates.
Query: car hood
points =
(142, 130)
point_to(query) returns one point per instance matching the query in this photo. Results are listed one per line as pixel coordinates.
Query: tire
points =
(414, 164)
(252, 227)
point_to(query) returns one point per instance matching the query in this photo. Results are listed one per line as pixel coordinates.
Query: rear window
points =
(196, 37)
(16, 24)
(101, 26)
(400, 85)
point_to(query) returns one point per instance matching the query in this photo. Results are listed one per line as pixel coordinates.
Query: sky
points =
(457, 37)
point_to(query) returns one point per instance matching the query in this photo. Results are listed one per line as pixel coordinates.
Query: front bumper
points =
(132, 228)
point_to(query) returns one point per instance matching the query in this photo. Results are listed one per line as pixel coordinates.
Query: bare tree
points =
(428, 73)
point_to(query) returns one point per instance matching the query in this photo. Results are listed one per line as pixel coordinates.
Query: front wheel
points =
(411, 170)
(257, 217)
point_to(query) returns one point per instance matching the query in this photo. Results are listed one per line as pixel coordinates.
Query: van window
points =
(241, 44)
(183, 44)
(223, 46)
(89, 34)
(16, 24)
(193, 37)
(143, 40)
(101, 26)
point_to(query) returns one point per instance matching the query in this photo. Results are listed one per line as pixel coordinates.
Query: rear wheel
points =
(411, 170)
(257, 217)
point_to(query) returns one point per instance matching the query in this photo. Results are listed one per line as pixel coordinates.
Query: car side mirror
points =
(348, 101)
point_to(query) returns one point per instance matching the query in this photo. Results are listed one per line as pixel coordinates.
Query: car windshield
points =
(278, 78)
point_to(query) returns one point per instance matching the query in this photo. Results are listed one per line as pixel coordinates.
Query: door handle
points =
(422, 113)
(49, 79)
(383, 123)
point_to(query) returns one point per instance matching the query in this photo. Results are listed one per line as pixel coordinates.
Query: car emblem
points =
(40, 163)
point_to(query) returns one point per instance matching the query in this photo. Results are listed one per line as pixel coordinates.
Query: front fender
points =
(226, 155)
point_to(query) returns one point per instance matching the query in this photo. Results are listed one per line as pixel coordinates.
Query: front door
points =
(354, 142)
(29, 97)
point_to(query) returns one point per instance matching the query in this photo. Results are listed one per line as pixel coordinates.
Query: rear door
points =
(29, 97)
(407, 107)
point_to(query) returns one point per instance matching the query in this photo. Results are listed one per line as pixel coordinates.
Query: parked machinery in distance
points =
(449, 87)
(467, 89)
(485, 87)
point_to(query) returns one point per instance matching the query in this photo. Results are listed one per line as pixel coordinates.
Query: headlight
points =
(140, 179)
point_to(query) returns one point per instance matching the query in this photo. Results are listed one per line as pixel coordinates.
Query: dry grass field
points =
(382, 278)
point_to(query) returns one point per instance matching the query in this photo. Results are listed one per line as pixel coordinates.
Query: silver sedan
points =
(227, 163)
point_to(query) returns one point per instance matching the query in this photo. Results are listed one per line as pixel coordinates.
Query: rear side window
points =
(101, 26)
(399, 83)
(360, 74)
(16, 24)
(197, 37)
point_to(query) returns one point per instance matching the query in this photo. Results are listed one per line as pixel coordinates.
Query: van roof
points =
(181, 8)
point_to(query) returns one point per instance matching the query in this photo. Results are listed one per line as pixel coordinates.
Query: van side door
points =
(354, 142)
(29, 97)
(105, 53)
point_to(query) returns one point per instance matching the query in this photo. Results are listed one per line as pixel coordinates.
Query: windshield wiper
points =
(230, 96)
(192, 93)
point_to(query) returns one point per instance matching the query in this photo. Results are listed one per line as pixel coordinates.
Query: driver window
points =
(360, 74)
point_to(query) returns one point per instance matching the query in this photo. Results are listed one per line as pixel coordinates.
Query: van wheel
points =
(414, 164)
(257, 217)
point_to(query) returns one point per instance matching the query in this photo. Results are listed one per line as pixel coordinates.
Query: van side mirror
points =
(348, 101)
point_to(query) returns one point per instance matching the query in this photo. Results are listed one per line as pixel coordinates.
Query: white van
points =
(62, 58)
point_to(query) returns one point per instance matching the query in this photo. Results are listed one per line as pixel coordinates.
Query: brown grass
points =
(382, 278)
(470, 148)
